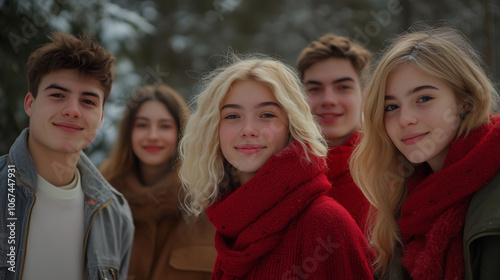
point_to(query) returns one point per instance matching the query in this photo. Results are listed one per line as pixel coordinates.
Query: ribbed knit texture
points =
(433, 215)
(279, 225)
(343, 190)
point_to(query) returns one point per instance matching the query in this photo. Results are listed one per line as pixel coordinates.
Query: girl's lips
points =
(249, 149)
(329, 117)
(413, 138)
(153, 149)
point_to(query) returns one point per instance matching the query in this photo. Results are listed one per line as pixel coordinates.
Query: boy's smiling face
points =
(66, 114)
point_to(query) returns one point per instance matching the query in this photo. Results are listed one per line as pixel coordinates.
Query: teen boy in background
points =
(331, 69)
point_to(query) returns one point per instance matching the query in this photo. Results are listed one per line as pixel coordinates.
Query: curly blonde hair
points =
(203, 170)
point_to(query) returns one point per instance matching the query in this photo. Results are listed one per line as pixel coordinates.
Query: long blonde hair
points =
(203, 172)
(377, 167)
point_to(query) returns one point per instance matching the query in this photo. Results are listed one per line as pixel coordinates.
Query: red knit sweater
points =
(280, 225)
(433, 215)
(343, 190)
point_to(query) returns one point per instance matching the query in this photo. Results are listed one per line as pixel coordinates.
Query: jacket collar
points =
(96, 189)
(482, 215)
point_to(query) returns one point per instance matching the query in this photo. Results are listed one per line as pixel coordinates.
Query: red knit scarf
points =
(343, 190)
(338, 157)
(433, 215)
(251, 220)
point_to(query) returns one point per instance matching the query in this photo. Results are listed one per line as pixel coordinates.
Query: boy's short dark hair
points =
(331, 45)
(65, 51)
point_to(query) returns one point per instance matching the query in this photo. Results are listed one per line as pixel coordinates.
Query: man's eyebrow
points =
(344, 79)
(340, 80)
(55, 86)
(61, 88)
(312, 82)
(93, 94)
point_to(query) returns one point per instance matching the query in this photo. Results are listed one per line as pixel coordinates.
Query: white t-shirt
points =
(56, 232)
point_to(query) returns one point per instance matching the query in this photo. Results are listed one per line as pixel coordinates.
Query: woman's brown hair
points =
(122, 160)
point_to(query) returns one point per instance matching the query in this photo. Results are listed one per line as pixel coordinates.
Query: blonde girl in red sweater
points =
(253, 158)
(429, 158)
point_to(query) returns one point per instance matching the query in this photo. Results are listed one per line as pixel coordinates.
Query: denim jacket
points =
(109, 228)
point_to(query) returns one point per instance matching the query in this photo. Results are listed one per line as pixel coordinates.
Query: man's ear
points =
(28, 103)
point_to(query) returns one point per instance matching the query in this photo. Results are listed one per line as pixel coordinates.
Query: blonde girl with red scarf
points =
(252, 156)
(429, 160)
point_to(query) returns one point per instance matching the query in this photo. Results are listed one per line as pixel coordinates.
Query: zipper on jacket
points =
(112, 271)
(29, 222)
(103, 275)
(468, 260)
(88, 232)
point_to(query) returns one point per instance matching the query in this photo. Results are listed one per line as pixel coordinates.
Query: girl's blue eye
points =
(268, 115)
(424, 99)
(231, 117)
(391, 108)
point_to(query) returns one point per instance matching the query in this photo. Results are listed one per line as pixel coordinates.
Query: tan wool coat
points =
(167, 245)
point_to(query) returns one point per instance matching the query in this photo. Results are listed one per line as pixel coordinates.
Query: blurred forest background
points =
(175, 41)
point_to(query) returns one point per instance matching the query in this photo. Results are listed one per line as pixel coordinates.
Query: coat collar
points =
(96, 189)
